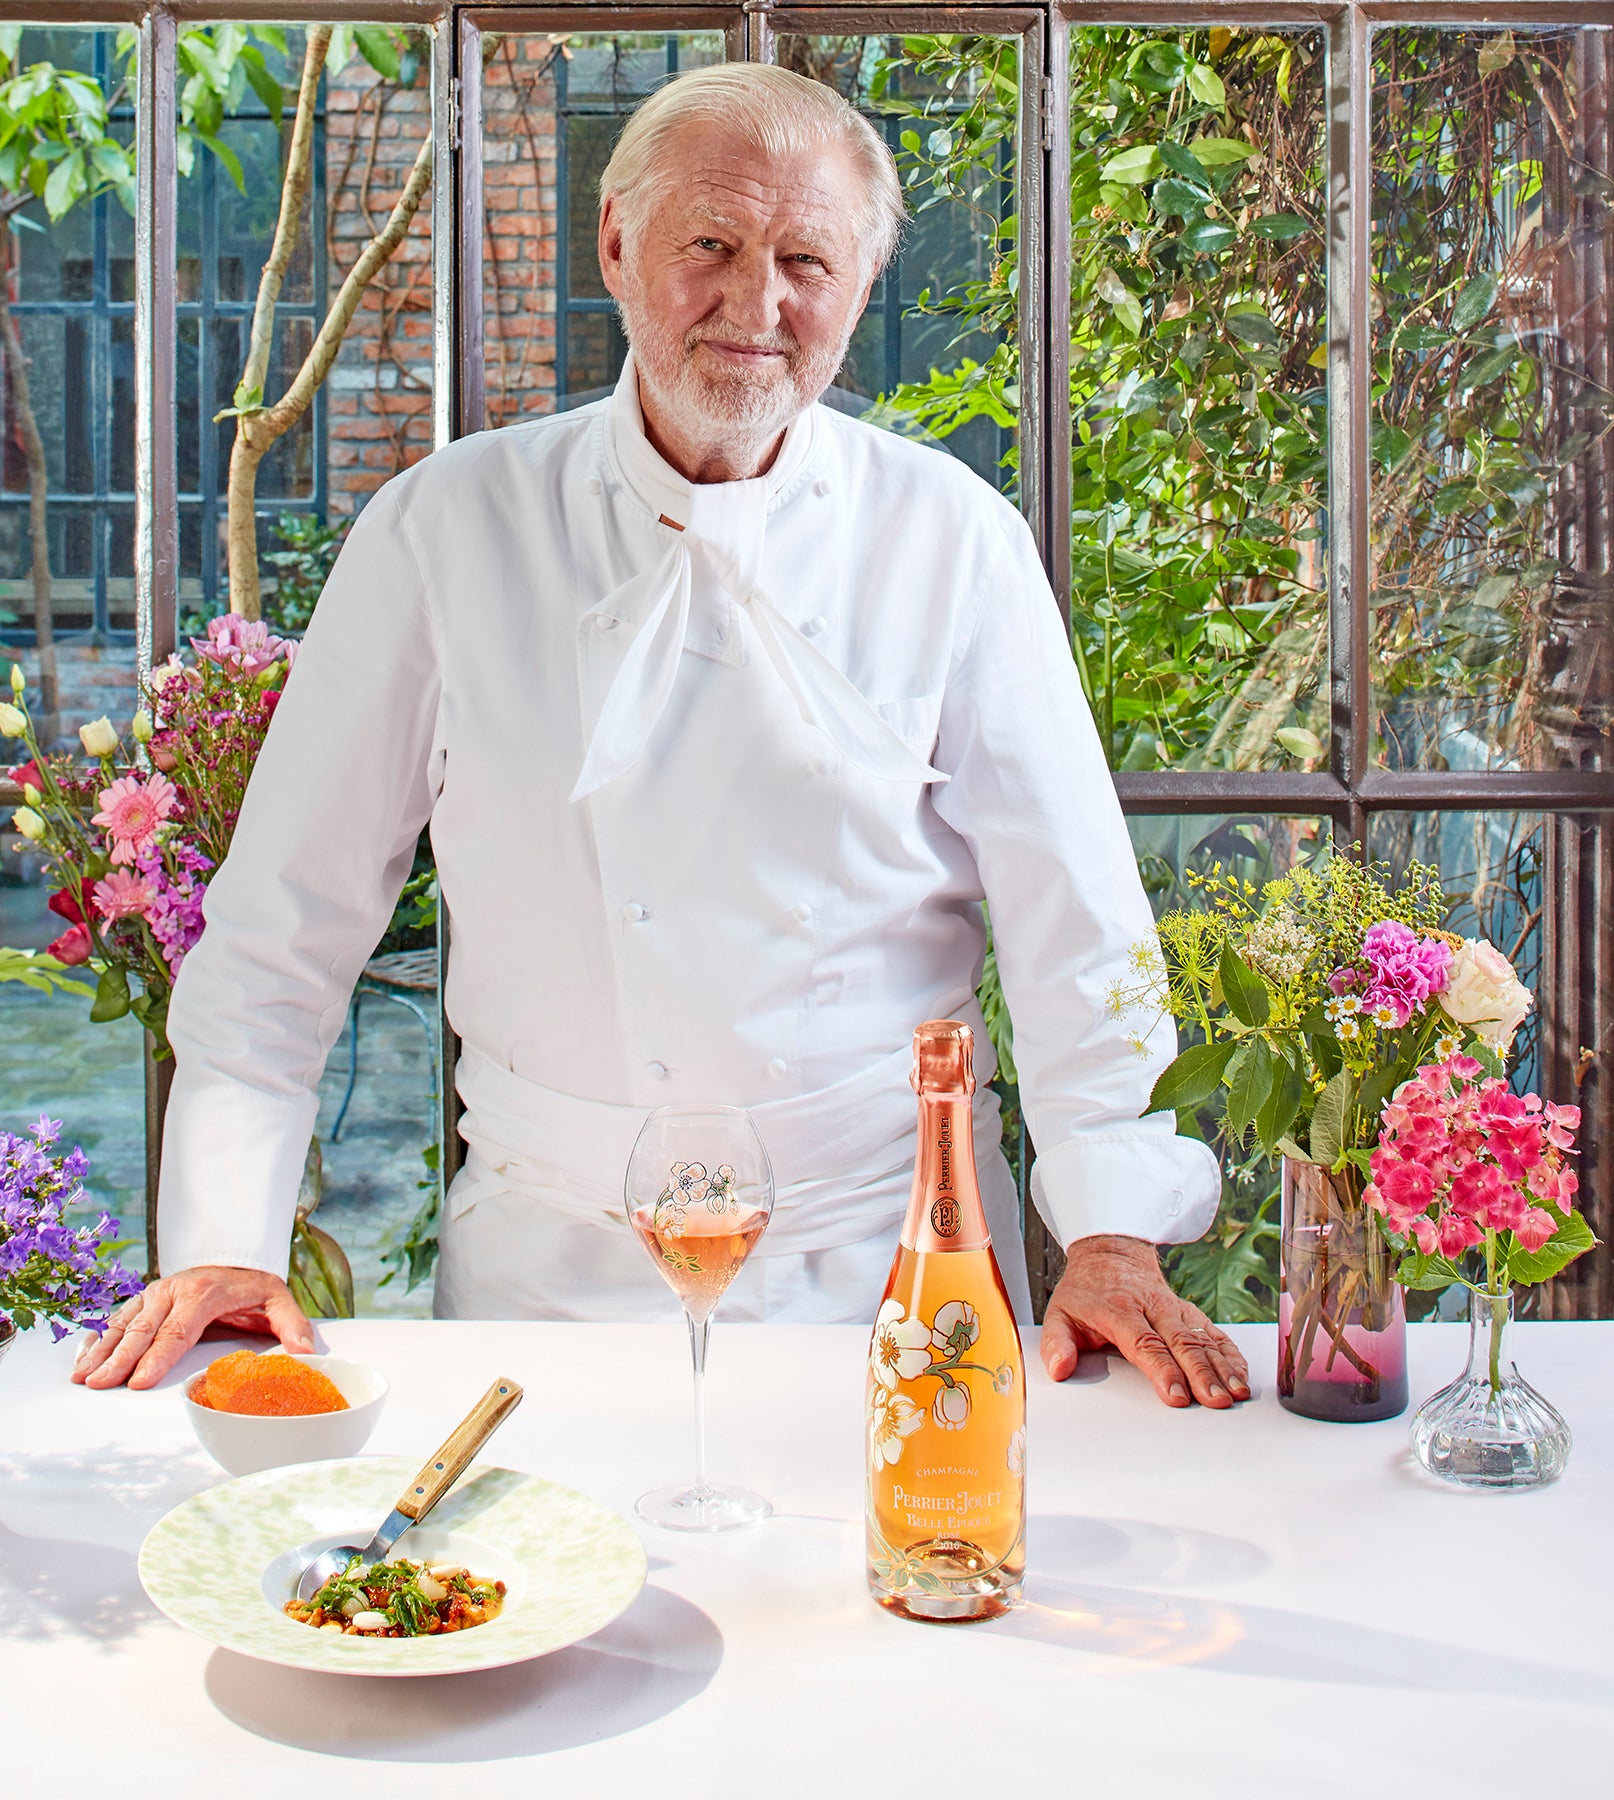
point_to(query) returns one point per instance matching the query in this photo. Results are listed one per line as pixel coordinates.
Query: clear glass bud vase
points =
(1489, 1427)
(1342, 1329)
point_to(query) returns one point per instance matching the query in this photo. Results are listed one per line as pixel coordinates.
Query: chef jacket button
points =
(595, 485)
(1176, 1202)
(778, 1066)
(811, 627)
(801, 912)
(820, 487)
(817, 765)
(660, 1070)
(635, 912)
(605, 621)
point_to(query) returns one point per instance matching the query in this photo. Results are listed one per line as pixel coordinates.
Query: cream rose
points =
(29, 823)
(13, 720)
(1482, 990)
(99, 737)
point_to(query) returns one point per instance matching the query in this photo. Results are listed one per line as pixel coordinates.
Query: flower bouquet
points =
(48, 1269)
(1313, 998)
(1474, 1184)
(130, 838)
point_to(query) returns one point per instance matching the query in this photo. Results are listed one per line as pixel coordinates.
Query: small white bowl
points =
(244, 1443)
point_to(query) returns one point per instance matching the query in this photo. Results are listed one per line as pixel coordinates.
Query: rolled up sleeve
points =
(343, 784)
(1031, 794)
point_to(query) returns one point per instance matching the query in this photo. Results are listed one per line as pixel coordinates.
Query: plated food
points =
(225, 1563)
(400, 1599)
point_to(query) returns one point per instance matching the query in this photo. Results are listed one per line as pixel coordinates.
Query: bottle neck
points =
(945, 1211)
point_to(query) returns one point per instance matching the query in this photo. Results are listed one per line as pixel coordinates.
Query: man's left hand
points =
(1112, 1295)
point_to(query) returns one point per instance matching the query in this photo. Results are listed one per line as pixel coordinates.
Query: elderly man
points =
(727, 713)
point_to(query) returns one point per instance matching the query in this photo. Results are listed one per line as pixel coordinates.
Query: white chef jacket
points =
(718, 777)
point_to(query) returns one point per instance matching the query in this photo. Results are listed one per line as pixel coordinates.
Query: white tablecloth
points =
(1248, 1604)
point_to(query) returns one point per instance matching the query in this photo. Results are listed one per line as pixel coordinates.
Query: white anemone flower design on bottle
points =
(892, 1418)
(901, 1346)
(951, 1407)
(1017, 1452)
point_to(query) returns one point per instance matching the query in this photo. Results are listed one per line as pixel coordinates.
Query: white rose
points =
(98, 737)
(29, 823)
(142, 730)
(19, 681)
(13, 720)
(1483, 991)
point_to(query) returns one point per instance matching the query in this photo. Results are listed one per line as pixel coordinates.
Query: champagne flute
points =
(699, 1192)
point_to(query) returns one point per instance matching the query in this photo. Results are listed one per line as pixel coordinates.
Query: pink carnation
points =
(121, 895)
(131, 811)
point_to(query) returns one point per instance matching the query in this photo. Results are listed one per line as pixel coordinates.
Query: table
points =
(1247, 1604)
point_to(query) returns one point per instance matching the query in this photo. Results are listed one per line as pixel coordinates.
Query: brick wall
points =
(379, 394)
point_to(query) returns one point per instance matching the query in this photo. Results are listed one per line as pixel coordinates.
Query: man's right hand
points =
(147, 1337)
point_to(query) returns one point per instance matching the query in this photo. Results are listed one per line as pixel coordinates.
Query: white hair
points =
(778, 112)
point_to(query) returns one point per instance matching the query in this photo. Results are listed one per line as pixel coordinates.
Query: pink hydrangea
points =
(131, 810)
(1405, 971)
(1458, 1158)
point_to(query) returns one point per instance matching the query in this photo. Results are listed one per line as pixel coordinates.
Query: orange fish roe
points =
(275, 1386)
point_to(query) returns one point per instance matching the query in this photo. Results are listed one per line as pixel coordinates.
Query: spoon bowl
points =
(437, 1476)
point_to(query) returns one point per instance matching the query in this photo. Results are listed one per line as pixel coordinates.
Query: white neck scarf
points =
(716, 532)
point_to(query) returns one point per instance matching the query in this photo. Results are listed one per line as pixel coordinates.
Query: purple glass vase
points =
(1342, 1329)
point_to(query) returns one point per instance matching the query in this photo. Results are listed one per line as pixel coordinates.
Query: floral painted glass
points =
(700, 1194)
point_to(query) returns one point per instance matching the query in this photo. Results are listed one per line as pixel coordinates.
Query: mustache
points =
(781, 341)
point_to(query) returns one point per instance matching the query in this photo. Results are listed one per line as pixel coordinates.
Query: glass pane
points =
(1493, 402)
(551, 111)
(1232, 1271)
(1198, 585)
(1492, 866)
(936, 355)
(66, 394)
(369, 411)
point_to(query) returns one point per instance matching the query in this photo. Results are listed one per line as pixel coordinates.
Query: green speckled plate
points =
(223, 1563)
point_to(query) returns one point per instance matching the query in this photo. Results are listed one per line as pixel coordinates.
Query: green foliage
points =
(414, 1256)
(1231, 1273)
(56, 144)
(308, 552)
(33, 968)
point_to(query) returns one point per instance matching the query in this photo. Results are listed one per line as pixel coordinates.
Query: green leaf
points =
(1280, 227)
(1206, 85)
(1298, 741)
(1252, 326)
(1182, 161)
(1286, 1146)
(1130, 313)
(1273, 1120)
(1205, 237)
(1574, 1237)
(263, 84)
(1242, 989)
(1250, 1085)
(1214, 152)
(111, 995)
(232, 162)
(1139, 164)
(1428, 1274)
(1192, 1077)
(1474, 302)
(1328, 1120)
(64, 185)
(378, 50)
(1150, 393)
(1174, 199)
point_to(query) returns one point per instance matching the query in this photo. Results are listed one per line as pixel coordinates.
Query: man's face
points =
(740, 288)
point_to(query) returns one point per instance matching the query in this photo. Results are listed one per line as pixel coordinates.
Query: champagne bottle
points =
(946, 1385)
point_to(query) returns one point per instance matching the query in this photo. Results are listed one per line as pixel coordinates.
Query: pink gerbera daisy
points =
(132, 810)
(121, 895)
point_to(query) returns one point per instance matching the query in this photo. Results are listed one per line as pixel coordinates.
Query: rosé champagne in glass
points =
(699, 1193)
